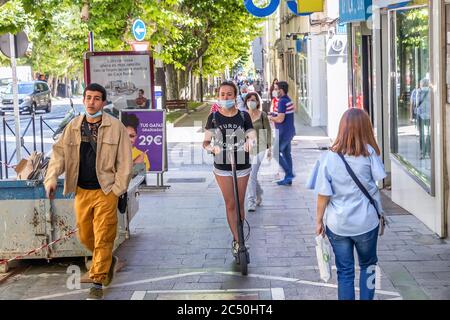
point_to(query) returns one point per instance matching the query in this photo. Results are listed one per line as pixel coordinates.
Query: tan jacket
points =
(113, 161)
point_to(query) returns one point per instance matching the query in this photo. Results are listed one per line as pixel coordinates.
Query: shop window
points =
(302, 81)
(412, 122)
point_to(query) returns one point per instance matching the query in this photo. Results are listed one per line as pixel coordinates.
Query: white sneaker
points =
(235, 248)
(251, 207)
(258, 201)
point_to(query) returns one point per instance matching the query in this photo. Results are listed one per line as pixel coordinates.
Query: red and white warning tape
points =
(68, 235)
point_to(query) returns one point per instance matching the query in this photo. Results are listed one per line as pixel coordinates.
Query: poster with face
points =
(147, 136)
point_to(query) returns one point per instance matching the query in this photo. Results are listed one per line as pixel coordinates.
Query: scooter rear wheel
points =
(243, 262)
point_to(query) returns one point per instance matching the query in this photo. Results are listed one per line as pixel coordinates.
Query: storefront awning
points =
(354, 10)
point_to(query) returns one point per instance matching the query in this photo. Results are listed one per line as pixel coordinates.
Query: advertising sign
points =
(147, 135)
(124, 75)
(354, 10)
(309, 6)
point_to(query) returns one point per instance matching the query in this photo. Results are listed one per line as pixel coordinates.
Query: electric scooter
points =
(67, 118)
(243, 256)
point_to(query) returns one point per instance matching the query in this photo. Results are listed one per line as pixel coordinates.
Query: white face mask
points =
(252, 104)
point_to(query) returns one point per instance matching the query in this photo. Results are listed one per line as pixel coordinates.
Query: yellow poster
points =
(307, 6)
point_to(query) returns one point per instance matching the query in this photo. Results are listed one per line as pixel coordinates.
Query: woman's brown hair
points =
(251, 94)
(355, 133)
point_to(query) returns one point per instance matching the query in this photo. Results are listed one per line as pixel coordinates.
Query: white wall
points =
(412, 197)
(317, 80)
(337, 86)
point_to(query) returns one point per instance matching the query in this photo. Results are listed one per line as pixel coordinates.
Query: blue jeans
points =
(285, 157)
(366, 248)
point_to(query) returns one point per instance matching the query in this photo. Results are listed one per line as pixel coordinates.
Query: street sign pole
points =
(15, 96)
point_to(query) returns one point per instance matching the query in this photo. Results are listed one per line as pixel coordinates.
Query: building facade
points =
(389, 57)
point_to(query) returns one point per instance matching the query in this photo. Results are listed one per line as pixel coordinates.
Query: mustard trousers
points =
(96, 215)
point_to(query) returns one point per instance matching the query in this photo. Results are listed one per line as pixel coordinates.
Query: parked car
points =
(33, 96)
(4, 83)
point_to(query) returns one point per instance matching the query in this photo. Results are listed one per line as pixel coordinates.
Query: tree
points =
(218, 31)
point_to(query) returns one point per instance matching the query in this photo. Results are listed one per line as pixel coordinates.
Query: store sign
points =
(354, 10)
(310, 6)
(299, 7)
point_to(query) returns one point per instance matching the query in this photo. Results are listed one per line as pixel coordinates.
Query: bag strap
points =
(263, 116)
(359, 184)
(88, 132)
(422, 99)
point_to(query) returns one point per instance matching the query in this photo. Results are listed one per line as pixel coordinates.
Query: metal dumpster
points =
(28, 220)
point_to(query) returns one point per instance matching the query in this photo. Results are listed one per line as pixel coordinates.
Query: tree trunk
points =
(171, 82)
(55, 86)
(182, 84)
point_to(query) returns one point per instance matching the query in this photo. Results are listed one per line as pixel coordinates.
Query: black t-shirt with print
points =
(87, 175)
(223, 128)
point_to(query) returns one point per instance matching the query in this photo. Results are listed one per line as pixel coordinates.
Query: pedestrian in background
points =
(94, 152)
(273, 94)
(221, 126)
(263, 130)
(243, 91)
(351, 221)
(258, 88)
(285, 131)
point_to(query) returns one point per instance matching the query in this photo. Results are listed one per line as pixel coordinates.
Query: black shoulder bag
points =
(122, 202)
(366, 193)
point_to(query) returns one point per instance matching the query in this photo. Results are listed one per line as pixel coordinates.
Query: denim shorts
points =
(226, 173)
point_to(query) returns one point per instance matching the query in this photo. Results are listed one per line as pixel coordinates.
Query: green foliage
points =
(220, 31)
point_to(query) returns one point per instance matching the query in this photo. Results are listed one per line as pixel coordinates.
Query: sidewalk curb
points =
(199, 108)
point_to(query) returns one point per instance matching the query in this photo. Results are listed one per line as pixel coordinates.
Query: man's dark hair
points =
(130, 120)
(95, 87)
(141, 90)
(284, 86)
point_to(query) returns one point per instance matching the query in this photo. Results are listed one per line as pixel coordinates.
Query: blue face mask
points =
(228, 104)
(95, 115)
(244, 95)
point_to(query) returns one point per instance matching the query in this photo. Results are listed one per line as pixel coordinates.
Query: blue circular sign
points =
(261, 12)
(139, 29)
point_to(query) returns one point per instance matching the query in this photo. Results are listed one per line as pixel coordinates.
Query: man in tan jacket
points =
(94, 152)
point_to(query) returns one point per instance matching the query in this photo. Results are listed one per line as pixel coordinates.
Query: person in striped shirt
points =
(284, 124)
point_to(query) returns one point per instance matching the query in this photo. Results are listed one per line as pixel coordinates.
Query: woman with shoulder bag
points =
(345, 180)
(263, 130)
